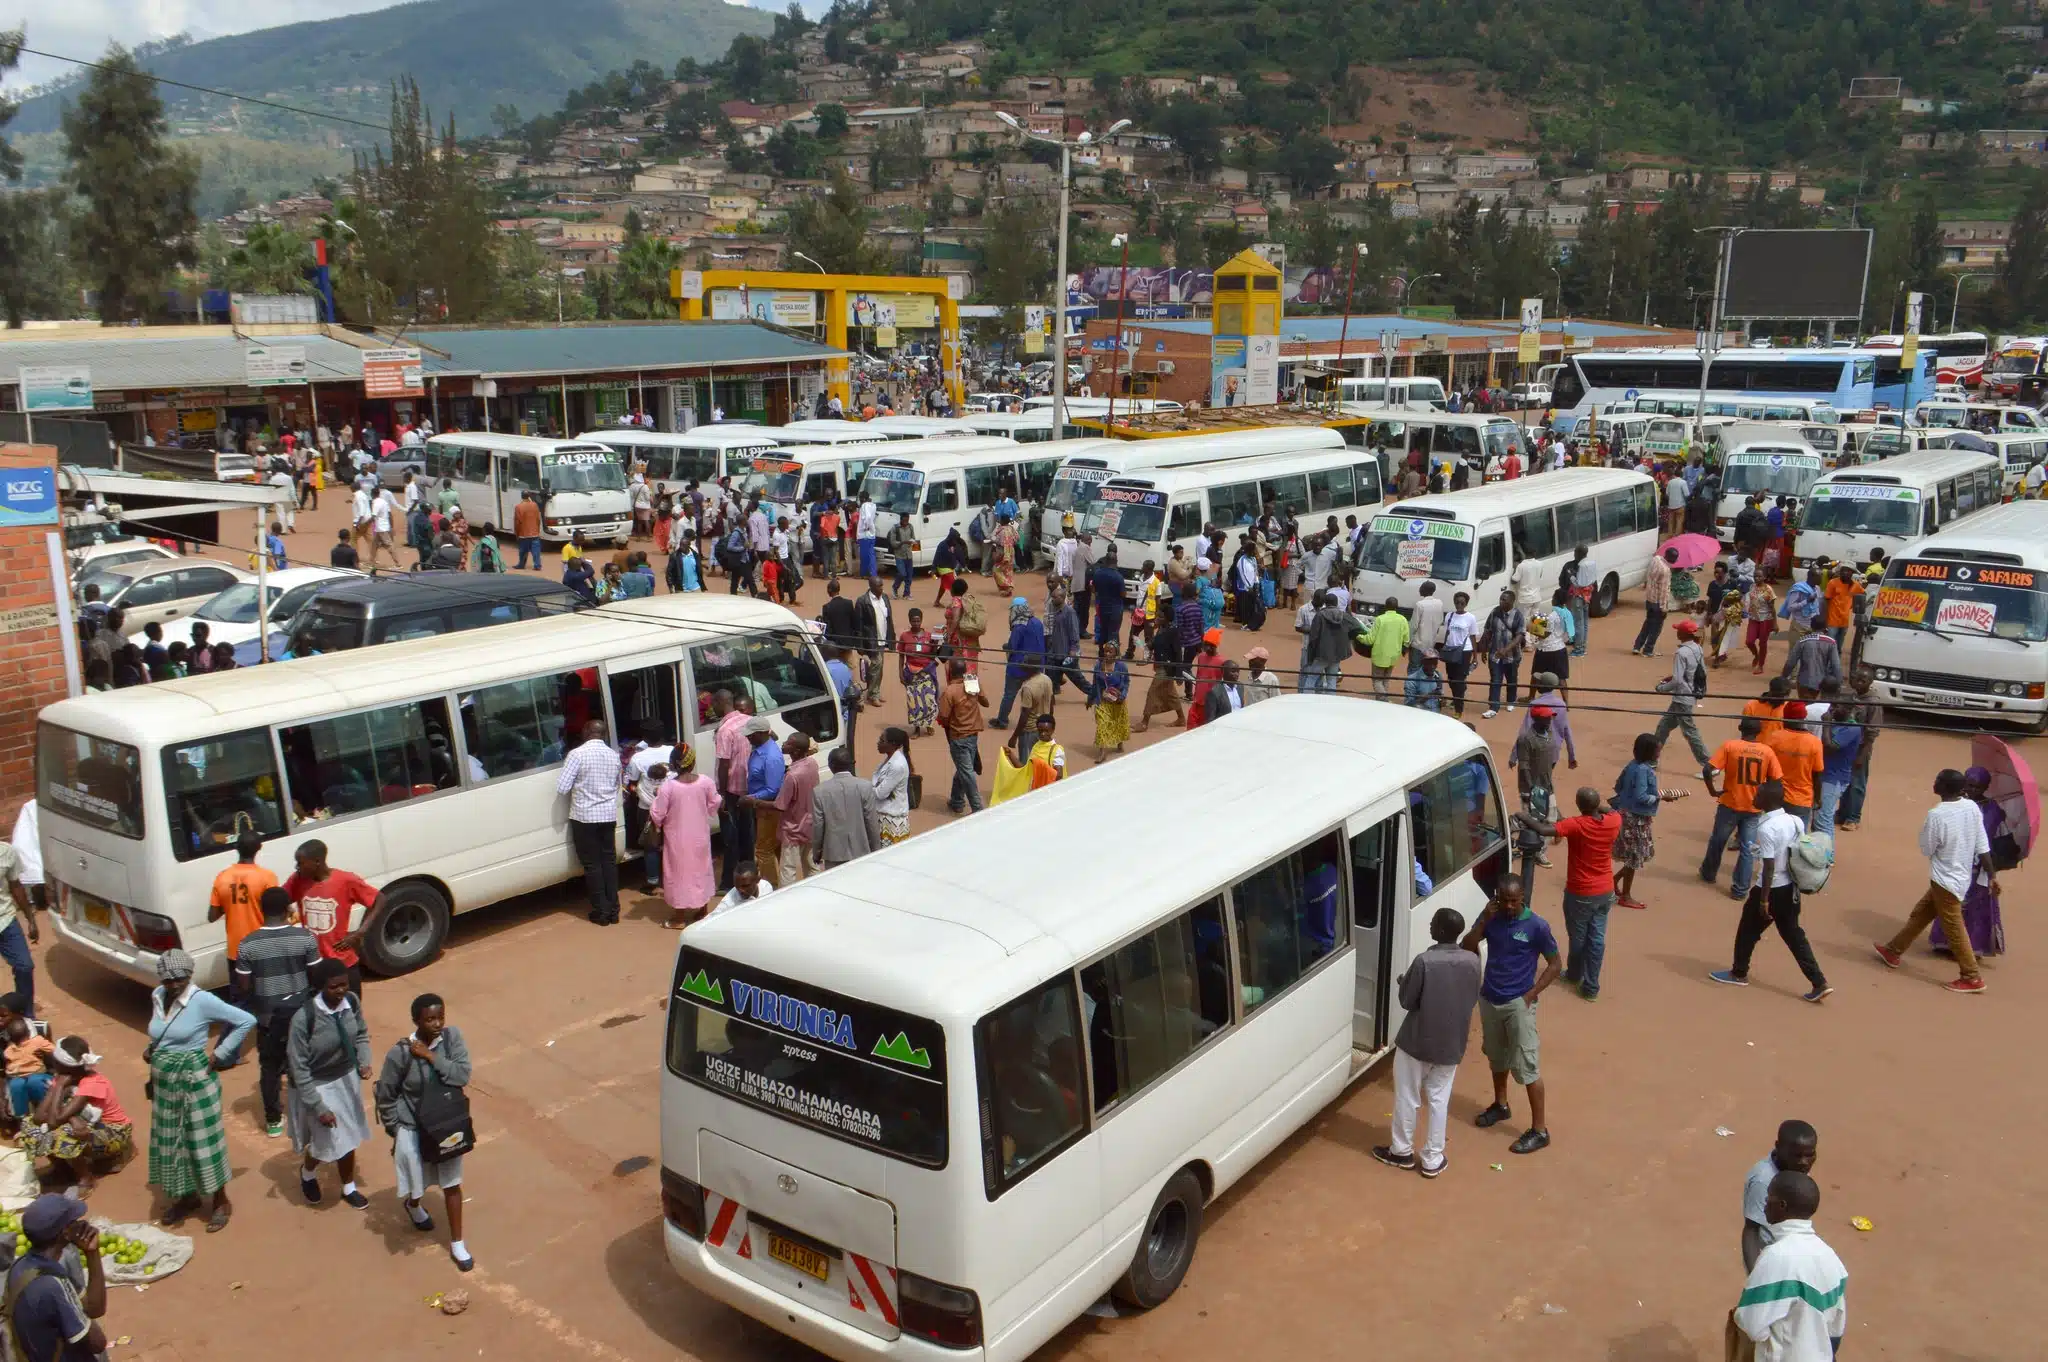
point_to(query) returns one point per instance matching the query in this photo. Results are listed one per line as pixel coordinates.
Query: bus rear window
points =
(89, 780)
(867, 1074)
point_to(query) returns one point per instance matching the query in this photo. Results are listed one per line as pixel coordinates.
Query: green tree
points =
(642, 278)
(831, 121)
(528, 287)
(271, 259)
(1221, 241)
(1196, 127)
(832, 230)
(1016, 259)
(506, 118)
(2023, 274)
(427, 245)
(135, 191)
(1308, 161)
(33, 268)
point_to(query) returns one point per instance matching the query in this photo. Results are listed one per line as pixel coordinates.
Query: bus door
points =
(640, 693)
(1382, 884)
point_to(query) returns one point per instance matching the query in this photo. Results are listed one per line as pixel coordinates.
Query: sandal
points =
(218, 1221)
(177, 1214)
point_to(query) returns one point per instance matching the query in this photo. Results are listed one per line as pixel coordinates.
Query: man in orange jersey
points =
(238, 894)
(1744, 764)
(1800, 757)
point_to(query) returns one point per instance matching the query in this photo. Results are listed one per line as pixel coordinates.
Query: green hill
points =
(469, 56)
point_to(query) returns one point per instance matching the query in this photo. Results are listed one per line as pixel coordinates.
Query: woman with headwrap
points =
(1006, 552)
(686, 809)
(188, 1144)
(1980, 906)
(327, 1054)
(1208, 671)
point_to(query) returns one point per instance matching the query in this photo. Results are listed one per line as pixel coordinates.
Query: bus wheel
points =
(1606, 596)
(408, 931)
(1167, 1246)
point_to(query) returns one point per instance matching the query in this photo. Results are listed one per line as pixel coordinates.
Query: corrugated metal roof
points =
(119, 361)
(548, 351)
(1367, 328)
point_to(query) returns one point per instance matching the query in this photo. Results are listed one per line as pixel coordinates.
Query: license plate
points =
(1947, 701)
(99, 915)
(803, 1259)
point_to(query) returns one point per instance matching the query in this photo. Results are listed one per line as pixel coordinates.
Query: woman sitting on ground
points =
(79, 1126)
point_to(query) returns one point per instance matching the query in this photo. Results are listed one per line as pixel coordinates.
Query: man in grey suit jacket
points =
(846, 824)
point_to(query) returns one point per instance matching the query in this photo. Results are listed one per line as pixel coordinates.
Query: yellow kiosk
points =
(837, 292)
(1244, 337)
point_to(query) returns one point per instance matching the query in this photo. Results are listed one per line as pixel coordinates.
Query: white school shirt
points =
(866, 528)
(1952, 838)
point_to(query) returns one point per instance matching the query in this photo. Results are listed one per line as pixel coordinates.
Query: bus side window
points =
(1457, 819)
(821, 485)
(1371, 491)
(1946, 491)
(941, 495)
(363, 761)
(1617, 513)
(522, 473)
(984, 486)
(1237, 504)
(476, 466)
(520, 725)
(1037, 476)
(1577, 523)
(1646, 506)
(1533, 535)
(1028, 1067)
(1154, 1001)
(217, 788)
(1493, 557)
(1966, 494)
(1329, 488)
(778, 672)
(1289, 916)
(1184, 521)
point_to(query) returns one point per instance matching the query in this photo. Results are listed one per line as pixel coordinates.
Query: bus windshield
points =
(1074, 488)
(583, 470)
(1504, 438)
(1964, 598)
(1948, 418)
(895, 490)
(94, 781)
(1418, 548)
(1126, 513)
(2016, 362)
(1851, 508)
(1771, 474)
(773, 480)
(863, 1073)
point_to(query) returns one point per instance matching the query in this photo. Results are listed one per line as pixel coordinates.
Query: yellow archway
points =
(690, 287)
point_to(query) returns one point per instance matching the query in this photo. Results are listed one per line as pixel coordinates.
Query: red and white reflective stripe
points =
(722, 1211)
(871, 1287)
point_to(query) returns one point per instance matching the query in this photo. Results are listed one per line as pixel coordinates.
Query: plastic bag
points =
(164, 1253)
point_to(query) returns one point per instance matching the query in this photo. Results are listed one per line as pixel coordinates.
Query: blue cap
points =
(47, 1216)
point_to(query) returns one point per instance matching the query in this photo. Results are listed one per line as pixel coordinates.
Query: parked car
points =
(1525, 396)
(404, 459)
(100, 549)
(157, 592)
(230, 617)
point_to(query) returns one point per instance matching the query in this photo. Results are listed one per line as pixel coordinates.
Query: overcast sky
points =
(83, 28)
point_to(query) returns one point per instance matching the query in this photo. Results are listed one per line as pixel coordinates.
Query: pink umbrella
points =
(1694, 550)
(2012, 787)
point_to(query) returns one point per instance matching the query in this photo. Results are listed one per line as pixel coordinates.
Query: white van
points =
(1888, 505)
(1961, 619)
(2019, 451)
(1445, 438)
(828, 432)
(914, 1110)
(675, 459)
(1473, 540)
(1986, 418)
(791, 477)
(1406, 394)
(1089, 464)
(1025, 427)
(1757, 462)
(945, 483)
(582, 484)
(919, 427)
(1146, 512)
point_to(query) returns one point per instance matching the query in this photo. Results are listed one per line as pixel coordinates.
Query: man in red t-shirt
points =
(1588, 887)
(326, 900)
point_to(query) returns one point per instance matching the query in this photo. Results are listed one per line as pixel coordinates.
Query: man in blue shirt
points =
(839, 668)
(765, 769)
(1840, 743)
(51, 1318)
(1026, 650)
(1319, 904)
(1515, 939)
(1107, 584)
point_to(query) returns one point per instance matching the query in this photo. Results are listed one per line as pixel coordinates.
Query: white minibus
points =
(914, 1110)
(675, 459)
(1961, 619)
(1409, 394)
(1089, 464)
(792, 477)
(1762, 462)
(945, 483)
(1888, 505)
(2018, 451)
(919, 427)
(828, 432)
(582, 484)
(1146, 512)
(1888, 442)
(1026, 428)
(1443, 437)
(1986, 418)
(1473, 540)
(427, 767)
(1098, 408)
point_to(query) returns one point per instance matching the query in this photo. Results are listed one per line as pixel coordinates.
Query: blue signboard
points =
(28, 496)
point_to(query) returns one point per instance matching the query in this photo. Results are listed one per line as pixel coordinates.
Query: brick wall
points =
(31, 657)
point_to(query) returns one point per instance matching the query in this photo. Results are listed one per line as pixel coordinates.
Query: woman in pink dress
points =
(686, 809)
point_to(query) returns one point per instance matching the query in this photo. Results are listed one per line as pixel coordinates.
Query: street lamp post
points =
(1059, 367)
(1344, 330)
(1408, 289)
(1116, 355)
(1955, 307)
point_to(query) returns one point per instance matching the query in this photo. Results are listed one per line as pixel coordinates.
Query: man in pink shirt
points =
(796, 802)
(729, 752)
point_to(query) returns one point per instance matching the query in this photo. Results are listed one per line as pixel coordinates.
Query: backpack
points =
(733, 551)
(1812, 860)
(973, 622)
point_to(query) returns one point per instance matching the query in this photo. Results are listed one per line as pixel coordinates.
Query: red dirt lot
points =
(1619, 1242)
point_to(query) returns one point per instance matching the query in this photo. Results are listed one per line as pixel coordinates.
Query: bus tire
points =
(408, 931)
(1167, 1247)
(1606, 596)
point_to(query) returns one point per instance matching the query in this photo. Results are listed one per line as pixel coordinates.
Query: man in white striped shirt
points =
(591, 779)
(1794, 1306)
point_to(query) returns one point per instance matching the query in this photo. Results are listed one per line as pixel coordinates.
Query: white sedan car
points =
(230, 617)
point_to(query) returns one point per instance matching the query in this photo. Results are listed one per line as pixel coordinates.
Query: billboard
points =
(1244, 371)
(392, 373)
(56, 387)
(1813, 274)
(796, 309)
(267, 366)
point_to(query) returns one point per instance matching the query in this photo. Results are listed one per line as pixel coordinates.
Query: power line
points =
(208, 90)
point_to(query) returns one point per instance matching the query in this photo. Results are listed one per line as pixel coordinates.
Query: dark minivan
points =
(420, 605)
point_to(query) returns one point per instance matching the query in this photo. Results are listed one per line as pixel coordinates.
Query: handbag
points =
(441, 1116)
(914, 790)
(650, 836)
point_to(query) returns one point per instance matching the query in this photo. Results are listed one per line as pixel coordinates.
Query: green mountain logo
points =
(700, 985)
(902, 1051)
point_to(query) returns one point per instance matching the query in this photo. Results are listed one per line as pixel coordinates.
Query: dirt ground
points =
(1619, 1242)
